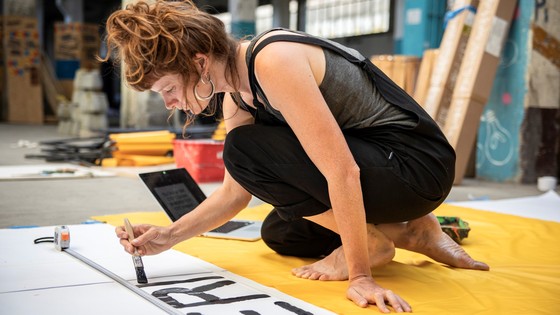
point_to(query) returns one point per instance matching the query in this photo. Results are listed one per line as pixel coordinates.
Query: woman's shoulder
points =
(258, 40)
(287, 58)
(282, 50)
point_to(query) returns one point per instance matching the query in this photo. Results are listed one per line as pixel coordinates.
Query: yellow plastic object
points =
(109, 162)
(141, 148)
(136, 160)
(143, 137)
(220, 132)
(145, 148)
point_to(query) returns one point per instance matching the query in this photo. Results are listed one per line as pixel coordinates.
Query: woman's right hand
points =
(149, 239)
(365, 291)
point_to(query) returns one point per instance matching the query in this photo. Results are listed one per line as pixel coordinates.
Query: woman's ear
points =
(201, 62)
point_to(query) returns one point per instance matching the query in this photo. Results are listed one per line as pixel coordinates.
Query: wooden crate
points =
(400, 68)
(76, 46)
(23, 93)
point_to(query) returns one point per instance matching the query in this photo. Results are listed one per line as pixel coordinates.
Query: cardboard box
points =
(77, 41)
(23, 93)
(475, 78)
(3, 111)
(448, 62)
(403, 70)
(76, 46)
(424, 75)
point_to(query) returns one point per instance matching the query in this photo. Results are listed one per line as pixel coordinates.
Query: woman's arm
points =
(290, 74)
(218, 208)
(227, 200)
(286, 74)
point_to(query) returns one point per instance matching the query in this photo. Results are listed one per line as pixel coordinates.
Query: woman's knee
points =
(236, 142)
(300, 238)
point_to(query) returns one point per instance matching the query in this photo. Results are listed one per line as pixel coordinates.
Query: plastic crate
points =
(203, 159)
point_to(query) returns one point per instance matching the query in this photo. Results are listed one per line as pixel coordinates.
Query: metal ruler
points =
(157, 302)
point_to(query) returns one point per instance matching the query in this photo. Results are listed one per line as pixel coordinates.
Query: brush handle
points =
(129, 230)
(136, 259)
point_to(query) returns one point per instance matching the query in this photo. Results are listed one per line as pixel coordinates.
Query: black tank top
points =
(417, 121)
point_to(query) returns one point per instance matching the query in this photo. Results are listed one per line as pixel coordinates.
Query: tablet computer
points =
(178, 193)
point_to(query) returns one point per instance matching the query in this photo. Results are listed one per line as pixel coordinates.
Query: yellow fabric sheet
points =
(523, 254)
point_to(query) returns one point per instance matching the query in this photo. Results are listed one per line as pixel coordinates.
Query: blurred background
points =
(487, 71)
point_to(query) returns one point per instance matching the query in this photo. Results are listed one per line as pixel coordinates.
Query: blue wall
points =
(423, 26)
(499, 133)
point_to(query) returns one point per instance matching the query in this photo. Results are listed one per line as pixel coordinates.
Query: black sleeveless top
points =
(418, 121)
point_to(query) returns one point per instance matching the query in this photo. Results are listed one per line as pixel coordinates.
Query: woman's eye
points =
(171, 90)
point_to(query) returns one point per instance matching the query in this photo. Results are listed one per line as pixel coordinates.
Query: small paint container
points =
(546, 183)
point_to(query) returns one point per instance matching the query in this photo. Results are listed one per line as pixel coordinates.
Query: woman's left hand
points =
(364, 291)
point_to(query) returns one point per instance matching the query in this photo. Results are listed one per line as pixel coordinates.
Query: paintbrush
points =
(136, 259)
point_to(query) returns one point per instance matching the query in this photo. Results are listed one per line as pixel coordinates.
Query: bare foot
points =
(333, 267)
(424, 235)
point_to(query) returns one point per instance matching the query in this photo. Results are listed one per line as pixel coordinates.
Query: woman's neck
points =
(241, 66)
(222, 77)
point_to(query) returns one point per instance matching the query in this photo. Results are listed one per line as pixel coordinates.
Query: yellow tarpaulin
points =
(523, 254)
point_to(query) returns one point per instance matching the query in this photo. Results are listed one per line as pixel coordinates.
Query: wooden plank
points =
(54, 91)
(424, 75)
(448, 62)
(546, 45)
(475, 78)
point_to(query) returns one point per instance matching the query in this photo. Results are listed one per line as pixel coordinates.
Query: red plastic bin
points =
(203, 158)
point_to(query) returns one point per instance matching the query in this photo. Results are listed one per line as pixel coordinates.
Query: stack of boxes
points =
(89, 114)
(446, 66)
(21, 56)
(76, 46)
(2, 75)
(462, 75)
(403, 70)
(141, 148)
(475, 78)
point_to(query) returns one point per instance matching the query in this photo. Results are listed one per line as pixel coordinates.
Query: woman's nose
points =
(169, 102)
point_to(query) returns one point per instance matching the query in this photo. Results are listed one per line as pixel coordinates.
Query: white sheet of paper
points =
(544, 207)
(41, 171)
(28, 266)
(25, 265)
(99, 243)
(226, 293)
(93, 299)
(37, 278)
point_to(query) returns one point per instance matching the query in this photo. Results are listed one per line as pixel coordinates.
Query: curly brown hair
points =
(163, 38)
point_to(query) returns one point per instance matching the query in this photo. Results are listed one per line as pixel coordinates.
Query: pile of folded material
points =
(455, 227)
(141, 148)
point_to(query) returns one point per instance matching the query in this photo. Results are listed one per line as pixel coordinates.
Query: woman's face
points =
(172, 89)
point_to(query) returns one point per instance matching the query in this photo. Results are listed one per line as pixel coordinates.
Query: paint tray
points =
(456, 228)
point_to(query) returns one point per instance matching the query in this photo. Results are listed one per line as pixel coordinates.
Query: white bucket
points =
(546, 183)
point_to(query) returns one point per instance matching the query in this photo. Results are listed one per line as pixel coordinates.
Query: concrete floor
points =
(73, 201)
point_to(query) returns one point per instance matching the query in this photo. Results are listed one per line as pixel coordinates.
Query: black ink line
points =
(200, 292)
(154, 284)
(248, 312)
(228, 300)
(209, 299)
(291, 308)
(212, 286)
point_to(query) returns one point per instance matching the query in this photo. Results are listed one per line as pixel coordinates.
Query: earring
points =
(205, 98)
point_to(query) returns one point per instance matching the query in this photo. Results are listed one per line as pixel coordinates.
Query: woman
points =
(353, 166)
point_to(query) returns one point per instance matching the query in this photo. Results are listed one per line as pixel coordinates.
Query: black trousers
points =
(403, 176)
